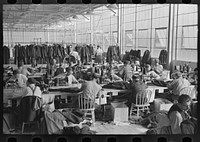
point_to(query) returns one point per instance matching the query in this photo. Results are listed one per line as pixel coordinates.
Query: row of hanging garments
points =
(113, 54)
(85, 52)
(146, 58)
(41, 53)
(6, 55)
(132, 55)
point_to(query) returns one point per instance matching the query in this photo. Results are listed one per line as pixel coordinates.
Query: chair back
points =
(85, 104)
(191, 91)
(30, 108)
(143, 97)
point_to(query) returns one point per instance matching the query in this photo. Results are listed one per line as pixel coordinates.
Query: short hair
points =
(20, 65)
(178, 74)
(184, 98)
(16, 72)
(147, 65)
(157, 60)
(126, 62)
(136, 77)
(96, 75)
(68, 69)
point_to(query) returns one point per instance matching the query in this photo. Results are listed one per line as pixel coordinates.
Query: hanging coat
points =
(146, 59)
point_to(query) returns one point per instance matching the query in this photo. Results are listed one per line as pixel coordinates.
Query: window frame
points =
(182, 38)
(161, 28)
(131, 31)
(142, 38)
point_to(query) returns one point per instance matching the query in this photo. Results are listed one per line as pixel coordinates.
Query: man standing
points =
(98, 55)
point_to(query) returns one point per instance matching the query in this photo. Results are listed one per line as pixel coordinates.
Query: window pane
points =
(106, 39)
(114, 38)
(189, 36)
(143, 40)
(129, 38)
(161, 38)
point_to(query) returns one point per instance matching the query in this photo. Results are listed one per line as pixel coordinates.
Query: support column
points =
(91, 30)
(75, 32)
(119, 25)
(171, 35)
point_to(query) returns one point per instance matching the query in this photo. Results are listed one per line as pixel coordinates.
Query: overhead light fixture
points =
(90, 12)
(75, 17)
(112, 6)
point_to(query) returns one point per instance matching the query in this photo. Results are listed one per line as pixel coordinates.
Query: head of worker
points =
(127, 62)
(31, 82)
(95, 76)
(69, 71)
(184, 102)
(157, 62)
(135, 78)
(16, 73)
(148, 67)
(177, 75)
(20, 66)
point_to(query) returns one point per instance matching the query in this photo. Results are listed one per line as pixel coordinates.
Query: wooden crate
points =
(119, 112)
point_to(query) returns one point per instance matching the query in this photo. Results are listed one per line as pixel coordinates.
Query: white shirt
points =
(71, 79)
(75, 54)
(99, 51)
(90, 89)
(37, 91)
(22, 79)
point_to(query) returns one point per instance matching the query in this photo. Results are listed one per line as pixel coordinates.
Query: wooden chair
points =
(30, 117)
(88, 106)
(191, 91)
(142, 103)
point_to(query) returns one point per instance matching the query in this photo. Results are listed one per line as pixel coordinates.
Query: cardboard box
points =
(119, 112)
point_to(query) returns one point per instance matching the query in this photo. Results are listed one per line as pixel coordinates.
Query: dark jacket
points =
(146, 59)
(163, 57)
(6, 55)
(113, 53)
(85, 54)
(27, 108)
(176, 108)
(136, 88)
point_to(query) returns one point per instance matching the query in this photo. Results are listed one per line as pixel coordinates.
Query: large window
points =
(189, 37)
(114, 38)
(106, 40)
(129, 38)
(143, 40)
(161, 38)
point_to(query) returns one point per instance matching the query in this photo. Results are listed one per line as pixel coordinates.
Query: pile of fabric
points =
(65, 122)
(155, 121)
(132, 55)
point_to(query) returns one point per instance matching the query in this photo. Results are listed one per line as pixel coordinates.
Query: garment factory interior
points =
(100, 69)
